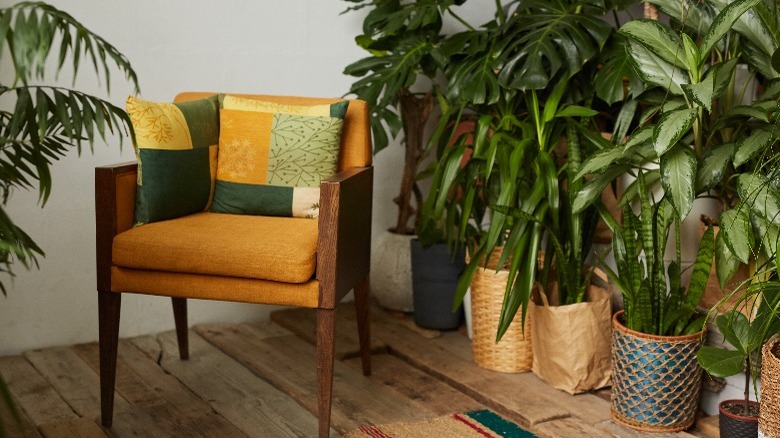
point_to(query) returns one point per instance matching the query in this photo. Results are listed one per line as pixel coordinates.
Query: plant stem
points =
(461, 20)
(500, 12)
(747, 389)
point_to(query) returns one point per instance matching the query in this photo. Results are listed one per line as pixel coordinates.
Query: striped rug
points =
(476, 424)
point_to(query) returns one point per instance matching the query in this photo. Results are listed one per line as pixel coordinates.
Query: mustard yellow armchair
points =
(253, 259)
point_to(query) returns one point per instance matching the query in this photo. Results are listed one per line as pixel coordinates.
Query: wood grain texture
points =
(109, 305)
(33, 393)
(326, 324)
(363, 317)
(287, 363)
(568, 427)
(173, 406)
(437, 396)
(251, 404)
(344, 242)
(78, 385)
(106, 219)
(78, 428)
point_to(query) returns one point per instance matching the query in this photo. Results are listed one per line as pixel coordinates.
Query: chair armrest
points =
(115, 187)
(344, 245)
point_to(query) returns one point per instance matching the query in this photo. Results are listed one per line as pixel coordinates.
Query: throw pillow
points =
(273, 157)
(176, 147)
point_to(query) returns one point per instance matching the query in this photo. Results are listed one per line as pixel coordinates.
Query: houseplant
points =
(46, 121)
(746, 337)
(658, 323)
(397, 80)
(499, 76)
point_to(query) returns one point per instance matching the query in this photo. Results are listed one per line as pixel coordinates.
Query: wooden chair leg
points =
(363, 307)
(180, 317)
(326, 329)
(109, 304)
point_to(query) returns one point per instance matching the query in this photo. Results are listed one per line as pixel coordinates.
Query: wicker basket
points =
(656, 380)
(513, 353)
(769, 418)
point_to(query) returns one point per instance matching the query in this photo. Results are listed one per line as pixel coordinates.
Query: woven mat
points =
(477, 424)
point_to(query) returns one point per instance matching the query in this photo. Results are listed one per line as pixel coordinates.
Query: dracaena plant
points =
(41, 123)
(641, 275)
(523, 78)
(398, 82)
(693, 126)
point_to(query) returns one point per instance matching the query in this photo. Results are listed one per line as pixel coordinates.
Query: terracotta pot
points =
(656, 380)
(735, 425)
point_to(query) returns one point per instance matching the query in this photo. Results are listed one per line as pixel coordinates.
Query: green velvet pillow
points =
(176, 146)
(272, 157)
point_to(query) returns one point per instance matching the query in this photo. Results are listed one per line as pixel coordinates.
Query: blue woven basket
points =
(656, 380)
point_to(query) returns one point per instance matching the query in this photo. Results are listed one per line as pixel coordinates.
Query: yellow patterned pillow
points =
(176, 146)
(273, 157)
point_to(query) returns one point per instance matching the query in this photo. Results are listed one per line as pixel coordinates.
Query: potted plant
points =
(46, 122)
(397, 80)
(658, 334)
(519, 122)
(739, 418)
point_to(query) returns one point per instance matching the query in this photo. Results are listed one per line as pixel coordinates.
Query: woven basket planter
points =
(513, 353)
(769, 418)
(733, 425)
(656, 380)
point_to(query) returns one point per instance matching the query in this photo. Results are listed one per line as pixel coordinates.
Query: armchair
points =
(252, 259)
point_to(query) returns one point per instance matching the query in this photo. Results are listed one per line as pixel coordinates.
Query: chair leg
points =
(180, 317)
(326, 328)
(109, 304)
(363, 307)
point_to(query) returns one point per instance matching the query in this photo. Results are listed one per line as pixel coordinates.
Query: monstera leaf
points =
(544, 38)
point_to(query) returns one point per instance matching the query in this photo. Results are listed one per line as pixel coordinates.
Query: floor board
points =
(260, 381)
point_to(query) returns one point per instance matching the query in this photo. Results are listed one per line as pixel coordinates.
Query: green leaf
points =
(701, 268)
(726, 263)
(735, 328)
(576, 111)
(755, 190)
(749, 147)
(720, 362)
(702, 92)
(735, 228)
(599, 161)
(678, 170)
(722, 72)
(671, 128)
(592, 190)
(545, 38)
(712, 167)
(658, 39)
(616, 67)
(724, 21)
(654, 70)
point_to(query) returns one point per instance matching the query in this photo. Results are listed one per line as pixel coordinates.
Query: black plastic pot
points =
(734, 425)
(435, 275)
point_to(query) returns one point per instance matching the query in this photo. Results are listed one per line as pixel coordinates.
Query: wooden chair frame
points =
(343, 261)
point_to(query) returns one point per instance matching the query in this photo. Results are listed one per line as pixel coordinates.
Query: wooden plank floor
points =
(259, 381)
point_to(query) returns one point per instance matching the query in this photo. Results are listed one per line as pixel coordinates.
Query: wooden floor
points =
(248, 380)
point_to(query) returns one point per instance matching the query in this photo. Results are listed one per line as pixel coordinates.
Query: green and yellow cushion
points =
(273, 157)
(176, 146)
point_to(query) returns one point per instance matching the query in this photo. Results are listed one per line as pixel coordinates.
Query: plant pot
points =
(656, 380)
(733, 425)
(435, 274)
(391, 271)
(570, 362)
(769, 418)
(513, 354)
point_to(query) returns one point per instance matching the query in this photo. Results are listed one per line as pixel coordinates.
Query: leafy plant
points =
(46, 121)
(638, 246)
(746, 336)
(403, 38)
(500, 75)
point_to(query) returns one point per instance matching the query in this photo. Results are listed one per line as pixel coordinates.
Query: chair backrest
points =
(356, 149)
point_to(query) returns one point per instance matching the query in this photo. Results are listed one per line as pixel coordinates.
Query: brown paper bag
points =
(572, 343)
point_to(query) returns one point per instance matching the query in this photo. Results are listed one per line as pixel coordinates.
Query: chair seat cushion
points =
(259, 247)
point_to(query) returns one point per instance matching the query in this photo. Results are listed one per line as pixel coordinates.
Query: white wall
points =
(296, 47)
